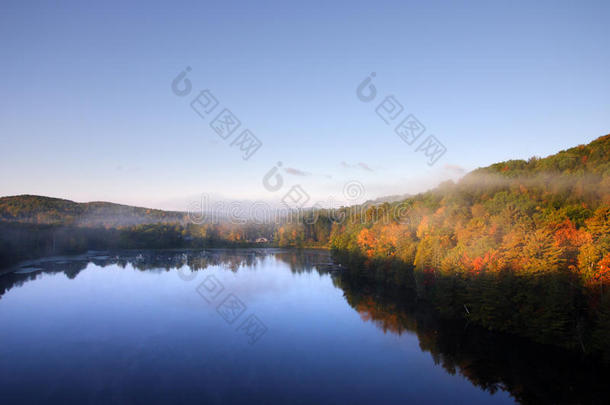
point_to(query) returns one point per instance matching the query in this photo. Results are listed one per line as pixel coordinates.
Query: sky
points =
(88, 110)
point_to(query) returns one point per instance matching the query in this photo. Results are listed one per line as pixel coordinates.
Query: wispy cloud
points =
(364, 166)
(359, 165)
(296, 172)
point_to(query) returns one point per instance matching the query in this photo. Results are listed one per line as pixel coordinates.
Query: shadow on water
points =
(531, 373)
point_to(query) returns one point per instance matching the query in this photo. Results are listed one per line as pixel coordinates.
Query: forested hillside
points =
(520, 246)
(46, 210)
(535, 216)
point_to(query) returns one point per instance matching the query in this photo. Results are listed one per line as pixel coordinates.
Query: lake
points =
(254, 326)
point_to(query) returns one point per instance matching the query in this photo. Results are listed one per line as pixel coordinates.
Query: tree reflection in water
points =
(531, 373)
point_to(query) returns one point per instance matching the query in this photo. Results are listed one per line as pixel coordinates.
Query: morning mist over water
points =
(317, 203)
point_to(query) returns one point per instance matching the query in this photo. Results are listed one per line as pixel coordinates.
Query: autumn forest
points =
(521, 246)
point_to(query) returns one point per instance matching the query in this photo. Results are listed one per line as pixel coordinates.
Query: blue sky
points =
(87, 111)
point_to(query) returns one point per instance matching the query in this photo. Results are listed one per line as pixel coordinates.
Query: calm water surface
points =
(246, 326)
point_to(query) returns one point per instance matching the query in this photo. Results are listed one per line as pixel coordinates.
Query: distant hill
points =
(576, 176)
(388, 199)
(46, 210)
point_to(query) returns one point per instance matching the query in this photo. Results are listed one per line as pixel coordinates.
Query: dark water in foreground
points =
(253, 326)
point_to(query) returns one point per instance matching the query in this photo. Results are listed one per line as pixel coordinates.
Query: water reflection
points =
(301, 261)
(492, 362)
(531, 373)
